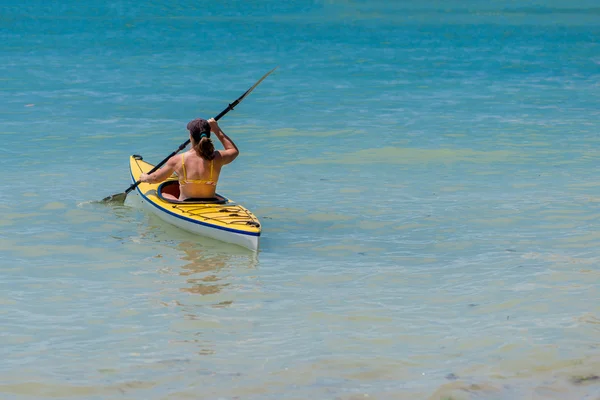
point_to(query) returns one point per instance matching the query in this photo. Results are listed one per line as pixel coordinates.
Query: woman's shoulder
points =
(174, 161)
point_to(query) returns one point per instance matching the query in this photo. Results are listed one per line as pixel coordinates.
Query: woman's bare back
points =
(198, 177)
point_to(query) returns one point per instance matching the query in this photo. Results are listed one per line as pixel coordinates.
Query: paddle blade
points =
(242, 97)
(118, 198)
(256, 84)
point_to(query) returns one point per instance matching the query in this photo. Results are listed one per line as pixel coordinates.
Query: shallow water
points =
(425, 176)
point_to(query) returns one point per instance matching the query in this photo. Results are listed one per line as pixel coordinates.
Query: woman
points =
(199, 168)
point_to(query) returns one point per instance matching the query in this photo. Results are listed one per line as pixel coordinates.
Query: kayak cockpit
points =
(172, 188)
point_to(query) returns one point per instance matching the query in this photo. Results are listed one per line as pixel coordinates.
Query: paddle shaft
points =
(120, 197)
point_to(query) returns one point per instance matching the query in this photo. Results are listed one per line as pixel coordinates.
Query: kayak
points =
(219, 218)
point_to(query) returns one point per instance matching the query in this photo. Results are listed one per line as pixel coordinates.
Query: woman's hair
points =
(201, 143)
(204, 147)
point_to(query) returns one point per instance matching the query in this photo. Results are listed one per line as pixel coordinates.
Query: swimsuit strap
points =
(183, 165)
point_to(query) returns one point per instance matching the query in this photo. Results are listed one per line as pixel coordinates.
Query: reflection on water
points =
(207, 272)
(202, 291)
(204, 270)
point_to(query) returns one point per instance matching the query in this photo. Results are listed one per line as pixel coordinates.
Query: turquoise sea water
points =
(425, 173)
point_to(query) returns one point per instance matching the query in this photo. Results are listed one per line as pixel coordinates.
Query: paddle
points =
(120, 197)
